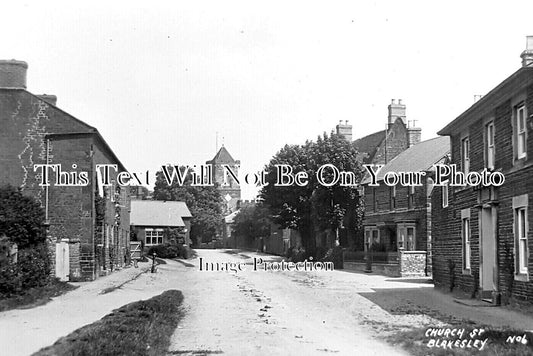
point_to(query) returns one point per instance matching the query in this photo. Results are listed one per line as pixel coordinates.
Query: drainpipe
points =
(46, 186)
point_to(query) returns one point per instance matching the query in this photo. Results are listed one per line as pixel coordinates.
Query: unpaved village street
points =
(255, 312)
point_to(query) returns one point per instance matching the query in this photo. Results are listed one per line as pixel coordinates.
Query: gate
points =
(135, 250)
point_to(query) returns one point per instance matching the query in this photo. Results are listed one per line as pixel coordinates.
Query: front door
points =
(488, 270)
(62, 260)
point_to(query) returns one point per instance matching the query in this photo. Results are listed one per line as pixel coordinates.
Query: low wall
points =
(386, 269)
(413, 263)
(406, 264)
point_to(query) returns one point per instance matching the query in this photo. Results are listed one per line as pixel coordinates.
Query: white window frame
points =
(445, 194)
(369, 236)
(521, 240)
(521, 132)
(154, 233)
(465, 154)
(402, 234)
(490, 151)
(466, 235)
(521, 230)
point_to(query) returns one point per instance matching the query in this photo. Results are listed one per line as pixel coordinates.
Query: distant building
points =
(89, 229)
(482, 238)
(152, 220)
(223, 165)
(377, 148)
(382, 146)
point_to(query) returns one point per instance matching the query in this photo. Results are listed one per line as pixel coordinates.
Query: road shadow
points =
(186, 264)
(411, 280)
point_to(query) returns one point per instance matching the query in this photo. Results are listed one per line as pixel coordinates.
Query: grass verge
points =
(36, 296)
(138, 328)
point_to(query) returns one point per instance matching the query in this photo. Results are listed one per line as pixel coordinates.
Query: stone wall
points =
(412, 263)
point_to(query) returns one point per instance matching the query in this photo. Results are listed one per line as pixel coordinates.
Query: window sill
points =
(522, 277)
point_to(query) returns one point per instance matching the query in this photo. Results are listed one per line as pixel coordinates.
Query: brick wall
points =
(447, 240)
(396, 143)
(402, 212)
(25, 122)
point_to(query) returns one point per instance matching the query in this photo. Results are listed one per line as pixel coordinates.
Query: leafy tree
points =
(21, 218)
(315, 207)
(252, 222)
(204, 202)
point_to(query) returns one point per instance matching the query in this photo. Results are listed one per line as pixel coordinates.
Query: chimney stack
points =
(414, 135)
(396, 111)
(344, 130)
(13, 74)
(527, 55)
(50, 99)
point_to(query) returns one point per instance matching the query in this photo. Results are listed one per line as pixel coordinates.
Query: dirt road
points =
(272, 313)
(257, 312)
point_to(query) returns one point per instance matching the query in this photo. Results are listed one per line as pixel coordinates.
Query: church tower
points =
(222, 163)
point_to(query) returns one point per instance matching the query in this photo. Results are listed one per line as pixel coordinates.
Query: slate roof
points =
(369, 144)
(158, 213)
(519, 79)
(222, 156)
(418, 158)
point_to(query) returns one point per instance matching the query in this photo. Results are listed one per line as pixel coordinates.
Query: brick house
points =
(88, 233)
(379, 148)
(382, 146)
(482, 236)
(151, 219)
(398, 216)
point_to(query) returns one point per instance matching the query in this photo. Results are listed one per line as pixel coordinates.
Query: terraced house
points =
(88, 224)
(482, 234)
(397, 221)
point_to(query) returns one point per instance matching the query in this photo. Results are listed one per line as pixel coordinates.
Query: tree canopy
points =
(315, 206)
(252, 222)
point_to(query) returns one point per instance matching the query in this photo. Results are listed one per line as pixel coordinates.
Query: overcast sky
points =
(159, 80)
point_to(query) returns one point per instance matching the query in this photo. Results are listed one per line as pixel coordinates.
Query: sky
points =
(161, 81)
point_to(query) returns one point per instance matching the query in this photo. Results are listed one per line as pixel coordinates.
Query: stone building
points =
(88, 224)
(397, 219)
(482, 238)
(223, 167)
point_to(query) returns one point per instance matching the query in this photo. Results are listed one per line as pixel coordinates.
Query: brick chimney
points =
(396, 110)
(13, 74)
(527, 55)
(414, 134)
(344, 130)
(50, 99)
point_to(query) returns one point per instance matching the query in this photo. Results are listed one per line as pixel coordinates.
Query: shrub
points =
(21, 218)
(31, 270)
(170, 251)
(334, 255)
(296, 254)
